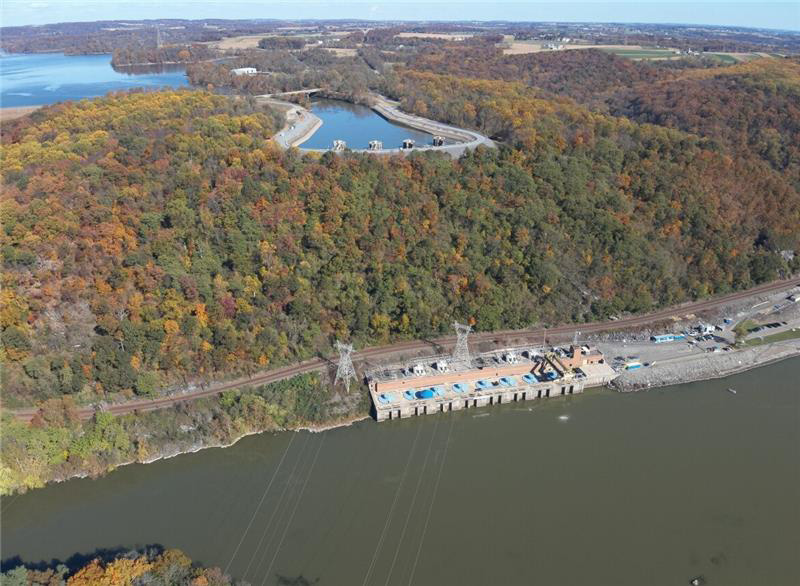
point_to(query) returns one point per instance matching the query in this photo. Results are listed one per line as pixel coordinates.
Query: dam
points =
(451, 383)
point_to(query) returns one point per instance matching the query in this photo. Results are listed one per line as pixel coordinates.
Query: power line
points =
(391, 509)
(461, 351)
(266, 490)
(294, 510)
(433, 500)
(274, 511)
(413, 501)
(261, 502)
(345, 371)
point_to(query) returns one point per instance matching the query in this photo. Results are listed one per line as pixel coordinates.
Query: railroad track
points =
(369, 354)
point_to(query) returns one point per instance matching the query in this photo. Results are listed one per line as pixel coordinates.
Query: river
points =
(46, 78)
(357, 125)
(625, 489)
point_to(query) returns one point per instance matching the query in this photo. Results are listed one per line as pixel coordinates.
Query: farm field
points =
(641, 53)
(632, 51)
(242, 42)
(445, 36)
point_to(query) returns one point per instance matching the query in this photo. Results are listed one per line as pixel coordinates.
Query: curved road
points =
(500, 337)
(301, 124)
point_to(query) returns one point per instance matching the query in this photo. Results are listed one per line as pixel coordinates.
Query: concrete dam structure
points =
(452, 383)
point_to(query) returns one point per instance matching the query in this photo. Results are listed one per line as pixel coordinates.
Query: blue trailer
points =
(661, 338)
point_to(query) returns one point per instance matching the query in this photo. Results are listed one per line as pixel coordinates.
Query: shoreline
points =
(349, 420)
(666, 376)
(199, 447)
(465, 139)
(14, 112)
(309, 132)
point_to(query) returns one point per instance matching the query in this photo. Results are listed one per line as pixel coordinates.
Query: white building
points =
(244, 71)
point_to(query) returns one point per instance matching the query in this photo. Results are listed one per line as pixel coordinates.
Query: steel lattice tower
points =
(345, 372)
(461, 351)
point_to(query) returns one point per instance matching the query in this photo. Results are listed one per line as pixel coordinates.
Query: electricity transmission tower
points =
(461, 351)
(345, 371)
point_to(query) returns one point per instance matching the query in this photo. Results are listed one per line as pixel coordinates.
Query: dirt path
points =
(369, 355)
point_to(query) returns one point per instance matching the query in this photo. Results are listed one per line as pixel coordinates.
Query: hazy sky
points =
(780, 14)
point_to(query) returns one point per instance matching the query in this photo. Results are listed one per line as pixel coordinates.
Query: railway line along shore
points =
(369, 357)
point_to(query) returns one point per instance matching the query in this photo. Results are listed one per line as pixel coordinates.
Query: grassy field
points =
(512, 47)
(641, 53)
(792, 334)
(726, 59)
(242, 42)
(445, 36)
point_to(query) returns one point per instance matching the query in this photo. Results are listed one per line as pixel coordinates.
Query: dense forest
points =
(133, 55)
(283, 70)
(750, 110)
(57, 445)
(153, 566)
(158, 237)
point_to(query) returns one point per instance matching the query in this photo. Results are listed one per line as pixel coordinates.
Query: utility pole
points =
(345, 372)
(461, 351)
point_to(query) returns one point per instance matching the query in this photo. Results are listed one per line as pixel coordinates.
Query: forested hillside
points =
(751, 110)
(589, 76)
(155, 238)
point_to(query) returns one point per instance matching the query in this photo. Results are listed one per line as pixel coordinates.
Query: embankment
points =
(706, 366)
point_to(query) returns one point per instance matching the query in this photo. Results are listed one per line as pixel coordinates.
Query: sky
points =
(782, 14)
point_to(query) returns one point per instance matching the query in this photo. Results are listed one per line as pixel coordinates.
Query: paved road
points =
(502, 338)
(300, 123)
(294, 93)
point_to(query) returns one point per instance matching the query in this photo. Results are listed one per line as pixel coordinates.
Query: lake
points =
(646, 488)
(46, 78)
(357, 125)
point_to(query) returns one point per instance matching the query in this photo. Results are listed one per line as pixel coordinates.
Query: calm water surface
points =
(357, 125)
(649, 488)
(30, 80)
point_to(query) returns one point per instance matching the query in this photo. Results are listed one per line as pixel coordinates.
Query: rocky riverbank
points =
(705, 366)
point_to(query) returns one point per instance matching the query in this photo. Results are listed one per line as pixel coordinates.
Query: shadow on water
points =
(79, 560)
(296, 581)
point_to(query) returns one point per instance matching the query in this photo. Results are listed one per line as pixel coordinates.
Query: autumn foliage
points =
(158, 567)
(154, 239)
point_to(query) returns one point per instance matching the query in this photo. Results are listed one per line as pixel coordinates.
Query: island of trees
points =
(155, 566)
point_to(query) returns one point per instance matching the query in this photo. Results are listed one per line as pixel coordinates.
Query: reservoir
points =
(648, 488)
(357, 125)
(46, 78)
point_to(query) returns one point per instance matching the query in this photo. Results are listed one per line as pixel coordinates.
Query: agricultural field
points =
(242, 42)
(629, 51)
(731, 58)
(341, 52)
(445, 36)
(641, 53)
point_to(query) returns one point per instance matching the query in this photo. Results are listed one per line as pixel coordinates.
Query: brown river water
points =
(648, 488)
